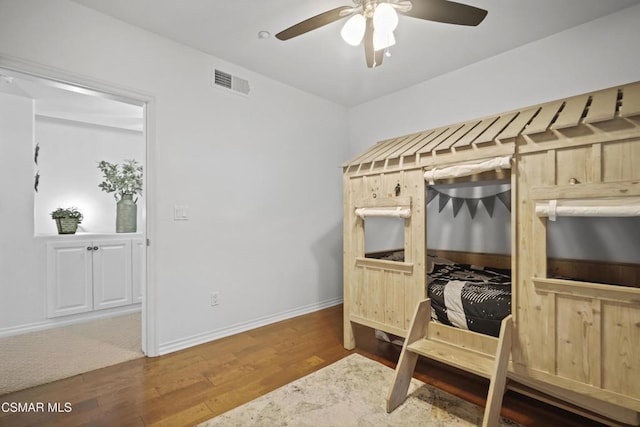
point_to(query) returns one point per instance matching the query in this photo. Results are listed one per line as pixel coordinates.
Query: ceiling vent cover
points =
(229, 81)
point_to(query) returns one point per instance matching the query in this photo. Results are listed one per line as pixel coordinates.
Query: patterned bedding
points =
(469, 297)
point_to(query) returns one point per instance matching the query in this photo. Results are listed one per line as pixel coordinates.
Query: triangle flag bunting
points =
(443, 200)
(505, 198)
(457, 204)
(472, 205)
(489, 203)
(472, 202)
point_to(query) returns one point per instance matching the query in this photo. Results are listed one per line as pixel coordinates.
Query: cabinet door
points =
(69, 278)
(111, 273)
(138, 268)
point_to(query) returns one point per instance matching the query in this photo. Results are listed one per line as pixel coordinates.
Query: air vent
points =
(229, 81)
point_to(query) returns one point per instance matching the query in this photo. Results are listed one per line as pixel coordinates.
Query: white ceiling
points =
(68, 102)
(321, 63)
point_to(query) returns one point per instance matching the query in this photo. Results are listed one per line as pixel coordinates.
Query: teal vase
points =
(126, 215)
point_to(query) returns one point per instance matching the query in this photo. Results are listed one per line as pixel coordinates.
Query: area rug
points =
(352, 392)
(40, 357)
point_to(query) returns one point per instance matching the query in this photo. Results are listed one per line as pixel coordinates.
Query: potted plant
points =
(67, 219)
(125, 181)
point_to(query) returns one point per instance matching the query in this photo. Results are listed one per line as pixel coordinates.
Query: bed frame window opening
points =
(470, 217)
(469, 254)
(594, 249)
(384, 238)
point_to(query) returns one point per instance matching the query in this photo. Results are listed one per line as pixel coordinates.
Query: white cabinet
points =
(111, 273)
(86, 275)
(69, 278)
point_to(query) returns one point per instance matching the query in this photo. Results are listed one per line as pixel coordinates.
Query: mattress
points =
(468, 297)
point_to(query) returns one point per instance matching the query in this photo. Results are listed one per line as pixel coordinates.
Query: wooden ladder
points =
(417, 343)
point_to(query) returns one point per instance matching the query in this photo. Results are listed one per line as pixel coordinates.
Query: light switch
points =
(180, 213)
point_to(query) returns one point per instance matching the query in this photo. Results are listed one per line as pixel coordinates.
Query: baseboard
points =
(181, 344)
(69, 320)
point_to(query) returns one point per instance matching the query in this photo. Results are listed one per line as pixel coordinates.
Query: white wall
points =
(259, 174)
(18, 248)
(67, 163)
(596, 55)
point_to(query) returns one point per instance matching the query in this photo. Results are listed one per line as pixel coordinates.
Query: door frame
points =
(79, 83)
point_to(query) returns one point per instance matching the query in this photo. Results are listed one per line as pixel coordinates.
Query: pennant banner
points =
(431, 194)
(472, 203)
(457, 204)
(505, 198)
(444, 199)
(489, 203)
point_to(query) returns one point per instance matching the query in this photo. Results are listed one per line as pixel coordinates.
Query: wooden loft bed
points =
(575, 340)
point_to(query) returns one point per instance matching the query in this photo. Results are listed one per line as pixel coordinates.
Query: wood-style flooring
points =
(193, 385)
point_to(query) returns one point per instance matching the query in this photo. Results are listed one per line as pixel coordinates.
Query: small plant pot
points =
(67, 225)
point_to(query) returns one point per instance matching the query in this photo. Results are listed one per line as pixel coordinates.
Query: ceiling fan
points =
(373, 21)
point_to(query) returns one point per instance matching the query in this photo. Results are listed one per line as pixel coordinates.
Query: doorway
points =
(52, 137)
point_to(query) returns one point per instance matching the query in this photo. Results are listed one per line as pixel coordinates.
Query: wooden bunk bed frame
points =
(571, 340)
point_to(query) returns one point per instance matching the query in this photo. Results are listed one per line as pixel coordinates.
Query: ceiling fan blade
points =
(314, 22)
(378, 57)
(369, 53)
(446, 11)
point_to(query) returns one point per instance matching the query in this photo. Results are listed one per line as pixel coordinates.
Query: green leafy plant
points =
(71, 212)
(121, 179)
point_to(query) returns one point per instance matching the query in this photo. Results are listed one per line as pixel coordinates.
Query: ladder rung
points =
(469, 360)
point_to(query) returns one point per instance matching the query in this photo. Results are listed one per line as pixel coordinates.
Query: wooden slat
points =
(497, 127)
(516, 126)
(380, 148)
(470, 361)
(571, 113)
(382, 202)
(614, 189)
(385, 154)
(407, 363)
(457, 135)
(407, 145)
(594, 164)
(381, 264)
(596, 344)
(464, 338)
(466, 140)
(442, 137)
(618, 294)
(630, 100)
(499, 375)
(624, 402)
(603, 106)
(373, 324)
(425, 141)
(543, 119)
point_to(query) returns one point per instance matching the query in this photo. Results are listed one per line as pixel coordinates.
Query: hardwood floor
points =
(193, 385)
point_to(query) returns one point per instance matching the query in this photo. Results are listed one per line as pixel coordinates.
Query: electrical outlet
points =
(215, 298)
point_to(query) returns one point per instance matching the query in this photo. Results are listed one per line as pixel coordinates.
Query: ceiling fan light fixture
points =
(353, 30)
(374, 21)
(383, 40)
(385, 18)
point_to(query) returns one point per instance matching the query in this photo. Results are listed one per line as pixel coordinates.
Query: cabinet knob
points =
(95, 248)
(89, 248)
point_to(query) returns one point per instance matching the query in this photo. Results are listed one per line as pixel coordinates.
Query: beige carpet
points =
(40, 357)
(352, 392)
